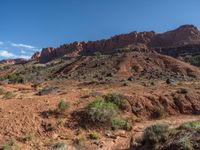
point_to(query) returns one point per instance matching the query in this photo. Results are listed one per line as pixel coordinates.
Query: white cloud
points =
(23, 52)
(1, 43)
(6, 54)
(24, 56)
(22, 46)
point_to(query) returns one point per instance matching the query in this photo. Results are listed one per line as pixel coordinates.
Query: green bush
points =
(62, 105)
(191, 125)
(6, 147)
(156, 133)
(97, 54)
(15, 78)
(117, 100)
(94, 136)
(185, 142)
(101, 111)
(119, 123)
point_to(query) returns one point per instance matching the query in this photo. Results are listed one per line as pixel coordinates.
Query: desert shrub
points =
(124, 50)
(62, 105)
(36, 85)
(8, 95)
(191, 125)
(185, 142)
(2, 91)
(117, 100)
(94, 136)
(156, 133)
(159, 112)
(59, 146)
(26, 138)
(101, 111)
(125, 83)
(10, 146)
(47, 90)
(80, 141)
(194, 60)
(119, 123)
(97, 54)
(6, 147)
(182, 91)
(15, 78)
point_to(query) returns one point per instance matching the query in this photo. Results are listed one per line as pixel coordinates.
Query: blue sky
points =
(29, 25)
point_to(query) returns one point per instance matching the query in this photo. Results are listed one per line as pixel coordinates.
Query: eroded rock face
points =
(104, 46)
(184, 35)
(187, 34)
(36, 55)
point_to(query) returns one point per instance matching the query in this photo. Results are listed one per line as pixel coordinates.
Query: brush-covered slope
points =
(143, 63)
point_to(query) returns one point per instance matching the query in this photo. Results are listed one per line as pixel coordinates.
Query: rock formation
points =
(184, 35)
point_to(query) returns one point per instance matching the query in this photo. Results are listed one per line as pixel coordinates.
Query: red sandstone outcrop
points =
(104, 46)
(184, 35)
(187, 34)
(36, 55)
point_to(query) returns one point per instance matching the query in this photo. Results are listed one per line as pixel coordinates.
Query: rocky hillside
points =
(137, 64)
(13, 61)
(184, 35)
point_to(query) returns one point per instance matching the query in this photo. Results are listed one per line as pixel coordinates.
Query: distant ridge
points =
(184, 35)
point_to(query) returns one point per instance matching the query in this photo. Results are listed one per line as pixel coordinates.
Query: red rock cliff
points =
(187, 34)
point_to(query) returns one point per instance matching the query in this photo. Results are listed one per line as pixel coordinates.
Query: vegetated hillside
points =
(136, 63)
(125, 64)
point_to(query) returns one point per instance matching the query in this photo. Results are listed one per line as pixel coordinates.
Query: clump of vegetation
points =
(119, 123)
(101, 111)
(14, 78)
(36, 86)
(182, 91)
(98, 54)
(80, 141)
(62, 106)
(159, 112)
(6, 146)
(190, 125)
(59, 145)
(125, 83)
(94, 136)
(8, 95)
(2, 91)
(47, 90)
(185, 142)
(193, 60)
(156, 133)
(26, 138)
(10, 146)
(106, 111)
(125, 50)
(117, 99)
(160, 136)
